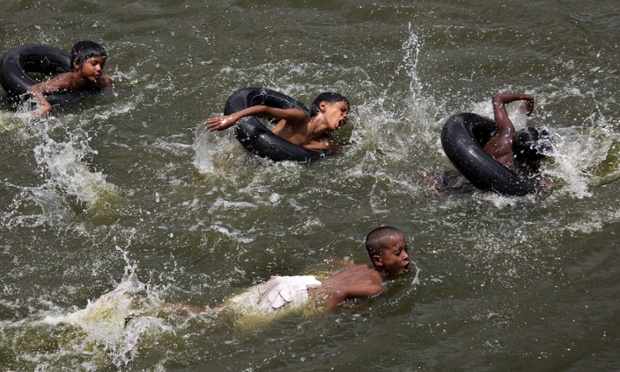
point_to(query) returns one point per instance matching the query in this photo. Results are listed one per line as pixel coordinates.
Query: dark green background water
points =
(126, 192)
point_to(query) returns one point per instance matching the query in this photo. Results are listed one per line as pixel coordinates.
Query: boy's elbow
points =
(498, 99)
(36, 92)
(336, 299)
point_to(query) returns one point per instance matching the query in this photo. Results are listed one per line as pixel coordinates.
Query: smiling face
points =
(92, 69)
(336, 114)
(394, 257)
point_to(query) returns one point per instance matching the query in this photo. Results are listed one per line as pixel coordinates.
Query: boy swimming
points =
(328, 113)
(389, 256)
(87, 60)
(522, 150)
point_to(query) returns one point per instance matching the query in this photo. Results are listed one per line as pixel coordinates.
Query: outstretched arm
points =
(226, 121)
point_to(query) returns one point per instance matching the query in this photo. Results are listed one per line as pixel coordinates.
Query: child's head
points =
(329, 98)
(85, 49)
(530, 145)
(388, 250)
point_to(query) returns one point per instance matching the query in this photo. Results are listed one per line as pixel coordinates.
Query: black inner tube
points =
(18, 62)
(462, 138)
(257, 138)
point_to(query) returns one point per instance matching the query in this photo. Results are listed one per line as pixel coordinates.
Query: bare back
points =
(357, 282)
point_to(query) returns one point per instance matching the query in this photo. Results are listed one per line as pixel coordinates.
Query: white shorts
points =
(278, 293)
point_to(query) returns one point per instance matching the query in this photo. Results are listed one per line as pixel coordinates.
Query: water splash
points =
(422, 107)
(69, 186)
(117, 322)
(585, 157)
(110, 329)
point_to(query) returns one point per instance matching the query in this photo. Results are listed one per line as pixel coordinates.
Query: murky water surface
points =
(126, 193)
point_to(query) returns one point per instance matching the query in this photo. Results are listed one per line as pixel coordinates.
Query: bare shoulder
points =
(329, 266)
(63, 80)
(291, 116)
(357, 282)
(298, 116)
(55, 83)
(361, 274)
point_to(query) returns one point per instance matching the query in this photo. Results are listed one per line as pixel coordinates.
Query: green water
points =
(125, 192)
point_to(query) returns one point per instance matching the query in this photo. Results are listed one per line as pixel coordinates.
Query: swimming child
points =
(520, 151)
(328, 113)
(87, 59)
(389, 256)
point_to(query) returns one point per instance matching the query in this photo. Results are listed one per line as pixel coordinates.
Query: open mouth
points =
(406, 268)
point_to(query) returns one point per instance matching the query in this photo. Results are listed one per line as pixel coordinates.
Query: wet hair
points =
(328, 97)
(531, 145)
(377, 239)
(85, 49)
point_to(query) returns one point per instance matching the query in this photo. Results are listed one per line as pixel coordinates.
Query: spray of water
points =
(111, 328)
(68, 186)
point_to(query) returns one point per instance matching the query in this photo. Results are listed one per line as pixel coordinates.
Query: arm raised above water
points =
(223, 122)
(500, 146)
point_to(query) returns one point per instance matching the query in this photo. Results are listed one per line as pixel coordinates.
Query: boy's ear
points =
(76, 65)
(322, 106)
(377, 260)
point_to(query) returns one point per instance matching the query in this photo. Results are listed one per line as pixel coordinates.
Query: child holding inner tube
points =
(389, 256)
(328, 113)
(520, 151)
(87, 59)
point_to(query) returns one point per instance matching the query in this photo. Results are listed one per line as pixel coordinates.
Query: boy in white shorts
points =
(388, 253)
